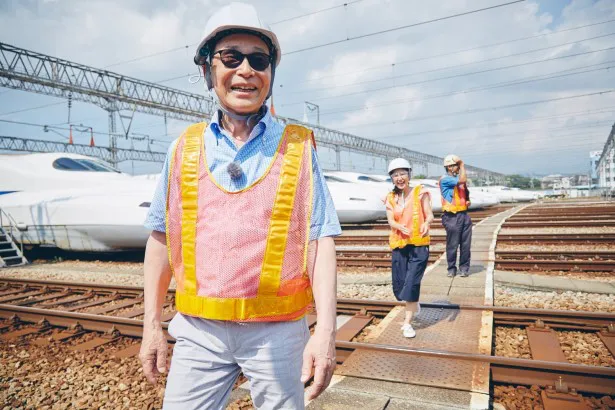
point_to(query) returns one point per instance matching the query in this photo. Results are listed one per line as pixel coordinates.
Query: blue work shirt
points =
(447, 186)
(254, 158)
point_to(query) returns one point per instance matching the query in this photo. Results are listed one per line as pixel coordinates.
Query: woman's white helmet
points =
(240, 17)
(398, 163)
(451, 159)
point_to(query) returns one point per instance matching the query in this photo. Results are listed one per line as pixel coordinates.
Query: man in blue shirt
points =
(238, 56)
(455, 219)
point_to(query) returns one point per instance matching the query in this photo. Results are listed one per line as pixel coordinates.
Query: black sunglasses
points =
(233, 59)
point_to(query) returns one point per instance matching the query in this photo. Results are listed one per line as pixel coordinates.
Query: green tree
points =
(518, 181)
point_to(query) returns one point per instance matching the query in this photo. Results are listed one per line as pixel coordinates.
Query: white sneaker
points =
(408, 331)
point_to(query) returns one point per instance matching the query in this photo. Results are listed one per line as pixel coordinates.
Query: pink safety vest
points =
(241, 256)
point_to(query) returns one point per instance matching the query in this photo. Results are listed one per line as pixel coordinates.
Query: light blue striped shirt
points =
(254, 156)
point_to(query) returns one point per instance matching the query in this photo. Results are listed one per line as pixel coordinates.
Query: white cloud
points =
(101, 33)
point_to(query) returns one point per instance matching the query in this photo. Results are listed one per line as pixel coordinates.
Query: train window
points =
(330, 178)
(96, 165)
(68, 164)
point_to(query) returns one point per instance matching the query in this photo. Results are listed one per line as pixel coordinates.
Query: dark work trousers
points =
(458, 235)
(409, 265)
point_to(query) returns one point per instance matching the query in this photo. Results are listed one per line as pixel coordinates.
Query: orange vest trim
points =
(411, 216)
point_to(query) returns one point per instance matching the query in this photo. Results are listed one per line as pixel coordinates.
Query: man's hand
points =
(319, 354)
(153, 354)
(424, 229)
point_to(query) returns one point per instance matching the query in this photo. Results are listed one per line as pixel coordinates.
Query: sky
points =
(524, 88)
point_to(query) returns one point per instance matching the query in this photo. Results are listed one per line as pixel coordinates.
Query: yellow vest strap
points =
(295, 137)
(193, 141)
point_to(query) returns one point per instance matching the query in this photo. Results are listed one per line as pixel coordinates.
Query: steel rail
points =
(89, 322)
(544, 264)
(594, 379)
(558, 255)
(483, 358)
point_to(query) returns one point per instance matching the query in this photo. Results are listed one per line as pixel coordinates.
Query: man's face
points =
(453, 169)
(242, 89)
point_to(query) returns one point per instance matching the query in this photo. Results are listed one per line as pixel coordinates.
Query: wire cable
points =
(433, 70)
(551, 76)
(494, 108)
(457, 52)
(403, 27)
(458, 75)
(348, 3)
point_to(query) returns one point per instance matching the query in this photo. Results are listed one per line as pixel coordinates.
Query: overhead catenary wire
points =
(32, 108)
(398, 63)
(415, 60)
(55, 127)
(544, 77)
(403, 27)
(348, 3)
(500, 123)
(541, 132)
(457, 75)
(132, 60)
(484, 109)
(433, 70)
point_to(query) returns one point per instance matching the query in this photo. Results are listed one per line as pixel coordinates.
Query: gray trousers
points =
(209, 354)
(458, 235)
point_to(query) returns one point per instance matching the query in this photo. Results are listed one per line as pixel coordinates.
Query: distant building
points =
(606, 163)
(551, 182)
(557, 181)
(594, 159)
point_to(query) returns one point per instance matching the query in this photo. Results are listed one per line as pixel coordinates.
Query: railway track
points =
(565, 238)
(372, 258)
(50, 325)
(522, 260)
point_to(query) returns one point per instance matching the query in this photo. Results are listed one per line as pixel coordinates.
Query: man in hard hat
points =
(455, 218)
(243, 219)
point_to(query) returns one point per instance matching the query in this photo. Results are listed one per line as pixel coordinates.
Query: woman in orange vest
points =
(409, 214)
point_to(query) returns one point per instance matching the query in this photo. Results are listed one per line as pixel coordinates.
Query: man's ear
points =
(207, 74)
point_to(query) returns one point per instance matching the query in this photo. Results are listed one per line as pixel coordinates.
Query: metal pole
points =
(112, 135)
(313, 107)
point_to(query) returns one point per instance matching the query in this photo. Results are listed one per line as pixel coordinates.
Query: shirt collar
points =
(258, 130)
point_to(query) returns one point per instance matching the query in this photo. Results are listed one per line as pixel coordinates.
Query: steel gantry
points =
(43, 74)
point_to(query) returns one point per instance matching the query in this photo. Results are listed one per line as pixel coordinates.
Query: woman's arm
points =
(395, 225)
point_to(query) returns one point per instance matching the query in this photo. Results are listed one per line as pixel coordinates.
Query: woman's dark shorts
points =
(409, 265)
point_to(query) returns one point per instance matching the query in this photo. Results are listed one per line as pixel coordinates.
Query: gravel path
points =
(358, 291)
(53, 377)
(512, 342)
(528, 231)
(578, 347)
(564, 300)
(585, 348)
(528, 398)
(555, 247)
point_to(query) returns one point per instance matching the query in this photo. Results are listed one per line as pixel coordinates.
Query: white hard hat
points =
(241, 17)
(451, 160)
(399, 163)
